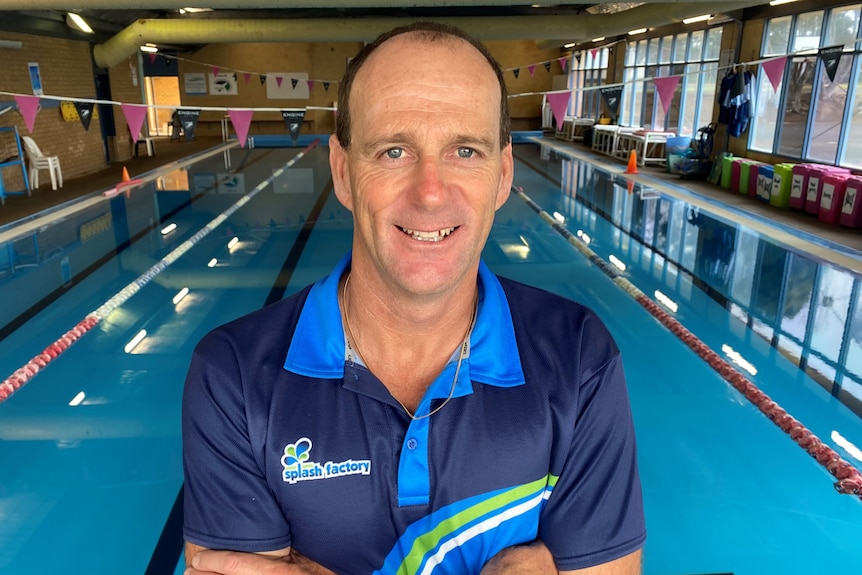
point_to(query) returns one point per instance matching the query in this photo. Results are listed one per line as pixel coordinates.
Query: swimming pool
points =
(90, 444)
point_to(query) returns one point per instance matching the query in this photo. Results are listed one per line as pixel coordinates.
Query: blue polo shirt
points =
(290, 442)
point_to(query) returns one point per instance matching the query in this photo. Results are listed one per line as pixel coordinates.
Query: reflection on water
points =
(808, 310)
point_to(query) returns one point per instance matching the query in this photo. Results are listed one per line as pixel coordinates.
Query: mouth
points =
(433, 236)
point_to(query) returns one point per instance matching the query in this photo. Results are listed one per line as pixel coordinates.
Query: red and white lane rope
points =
(849, 478)
(24, 374)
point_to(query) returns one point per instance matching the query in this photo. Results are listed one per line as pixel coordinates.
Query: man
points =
(413, 413)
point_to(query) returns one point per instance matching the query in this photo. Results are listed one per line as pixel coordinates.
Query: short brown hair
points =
(432, 32)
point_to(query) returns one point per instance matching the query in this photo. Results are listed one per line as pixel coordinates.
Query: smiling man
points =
(404, 414)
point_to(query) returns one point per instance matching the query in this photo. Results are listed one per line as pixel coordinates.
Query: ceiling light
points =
(78, 23)
(152, 48)
(569, 45)
(693, 19)
(780, 2)
(13, 44)
(638, 31)
(599, 39)
(194, 10)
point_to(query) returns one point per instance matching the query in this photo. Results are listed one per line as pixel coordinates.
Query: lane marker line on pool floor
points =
(849, 478)
(25, 373)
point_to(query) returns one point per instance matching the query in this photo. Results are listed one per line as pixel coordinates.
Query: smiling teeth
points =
(435, 236)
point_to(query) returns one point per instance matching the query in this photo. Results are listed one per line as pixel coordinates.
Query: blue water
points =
(725, 489)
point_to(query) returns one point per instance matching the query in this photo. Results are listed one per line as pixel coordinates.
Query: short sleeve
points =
(227, 502)
(595, 511)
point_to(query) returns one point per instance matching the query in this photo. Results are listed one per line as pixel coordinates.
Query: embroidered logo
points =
(297, 466)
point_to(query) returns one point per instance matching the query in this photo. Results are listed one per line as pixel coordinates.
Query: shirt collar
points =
(317, 347)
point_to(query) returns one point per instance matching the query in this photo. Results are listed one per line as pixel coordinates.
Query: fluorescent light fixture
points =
(666, 301)
(847, 445)
(780, 2)
(168, 229)
(194, 10)
(75, 21)
(599, 39)
(560, 217)
(617, 262)
(212, 263)
(13, 44)
(180, 295)
(77, 399)
(133, 343)
(638, 31)
(736, 358)
(152, 48)
(569, 45)
(234, 241)
(693, 19)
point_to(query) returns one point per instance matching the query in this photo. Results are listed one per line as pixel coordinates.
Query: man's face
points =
(424, 173)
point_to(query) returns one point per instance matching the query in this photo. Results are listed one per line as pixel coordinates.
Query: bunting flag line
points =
(153, 57)
(28, 106)
(189, 119)
(831, 58)
(293, 83)
(559, 103)
(85, 113)
(278, 81)
(563, 61)
(215, 71)
(293, 121)
(241, 120)
(611, 96)
(775, 71)
(262, 79)
(326, 86)
(310, 85)
(135, 114)
(531, 69)
(516, 71)
(666, 86)
(246, 76)
(547, 66)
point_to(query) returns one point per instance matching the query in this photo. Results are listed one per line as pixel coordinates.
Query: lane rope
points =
(849, 478)
(28, 371)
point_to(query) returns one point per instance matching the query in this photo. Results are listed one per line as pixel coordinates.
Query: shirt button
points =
(412, 444)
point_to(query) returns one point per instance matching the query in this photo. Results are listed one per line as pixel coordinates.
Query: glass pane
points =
(766, 116)
(631, 48)
(852, 155)
(707, 95)
(713, 44)
(679, 47)
(829, 113)
(851, 395)
(666, 47)
(743, 267)
(831, 305)
(821, 372)
(797, 103)
(649, 100)
(797, 296)
(777, 36)
(690, 84)
(807, 35)
(695, 54)
(640, 89)
(627, 97)
(652, 54)
(641, 53)
(843, 25)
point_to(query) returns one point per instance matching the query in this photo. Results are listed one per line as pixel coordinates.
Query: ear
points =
(507, 174)
(340, 172)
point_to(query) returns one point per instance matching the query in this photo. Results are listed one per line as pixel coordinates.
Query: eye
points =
(465, 152)
(394, 153)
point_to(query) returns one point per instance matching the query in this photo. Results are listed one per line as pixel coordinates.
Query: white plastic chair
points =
(39, 161)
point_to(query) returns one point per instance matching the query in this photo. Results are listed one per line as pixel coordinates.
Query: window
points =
(589, 71)
(809, 116)
(694, 56)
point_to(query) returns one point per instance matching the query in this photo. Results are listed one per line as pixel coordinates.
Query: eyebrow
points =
(405, 138)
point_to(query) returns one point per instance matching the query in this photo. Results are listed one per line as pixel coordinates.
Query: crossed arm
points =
(534, 559)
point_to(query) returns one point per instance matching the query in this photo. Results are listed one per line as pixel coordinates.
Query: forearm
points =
(532, 559)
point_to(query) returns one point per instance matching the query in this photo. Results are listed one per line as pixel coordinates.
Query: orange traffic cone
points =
(633, 163)
(125, 177)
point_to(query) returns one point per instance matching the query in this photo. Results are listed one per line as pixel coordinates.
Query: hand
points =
(532, 559)
(210, 562)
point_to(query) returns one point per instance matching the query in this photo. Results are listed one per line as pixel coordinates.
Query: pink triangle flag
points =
(153, 57)
(279, 80)
(246, 76)
(593, 52)
(134, 118)
(774, 70)
(666, 87)
(531, 69)
(559, 102)
(240, 119)
(216, 71)
(28, 106)
(563, 61)
(310, 85)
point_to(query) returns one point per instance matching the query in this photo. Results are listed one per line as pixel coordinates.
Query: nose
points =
(430, 185)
